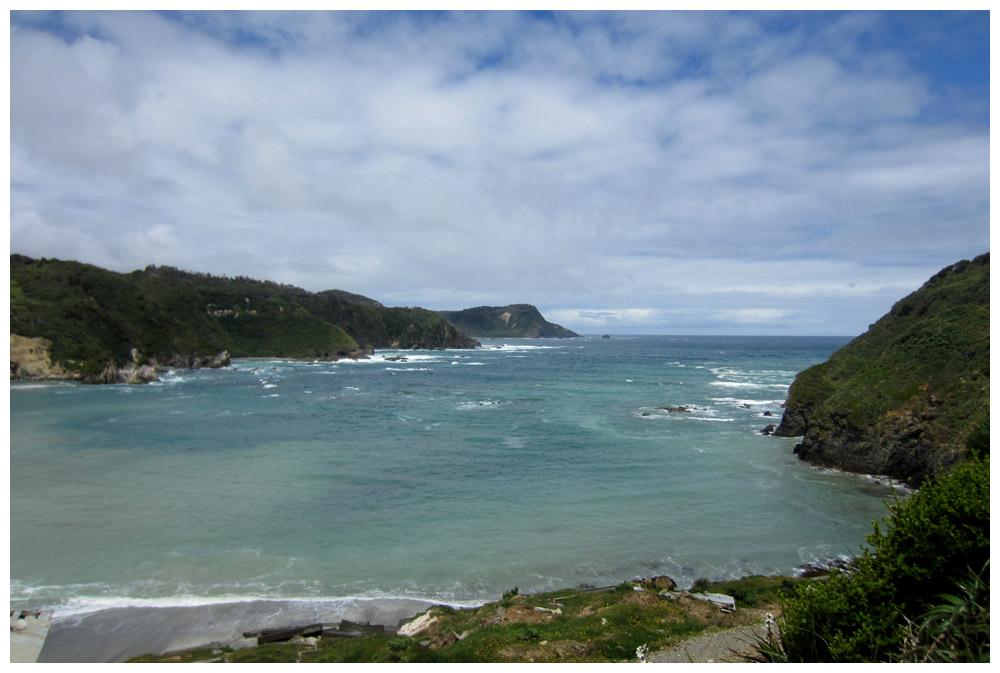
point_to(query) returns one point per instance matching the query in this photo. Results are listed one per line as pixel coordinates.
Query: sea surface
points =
(445, 476)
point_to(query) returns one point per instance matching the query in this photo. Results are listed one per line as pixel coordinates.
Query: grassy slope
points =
(593, 627)
(922, 368)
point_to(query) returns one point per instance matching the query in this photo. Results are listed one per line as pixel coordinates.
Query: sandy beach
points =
(117, 634)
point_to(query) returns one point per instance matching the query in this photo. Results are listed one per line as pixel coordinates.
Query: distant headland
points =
(513, 321)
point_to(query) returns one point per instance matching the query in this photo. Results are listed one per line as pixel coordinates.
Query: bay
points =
(447, 476)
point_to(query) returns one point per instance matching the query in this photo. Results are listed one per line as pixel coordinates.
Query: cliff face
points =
(514, 321)
(72, 320)
(902, 398)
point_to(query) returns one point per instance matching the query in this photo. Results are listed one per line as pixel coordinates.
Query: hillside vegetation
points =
(903, 398)
(92, 320)
(920, 592)
(514, 321)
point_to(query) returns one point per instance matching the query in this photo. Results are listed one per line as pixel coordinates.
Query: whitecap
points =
(481, 404)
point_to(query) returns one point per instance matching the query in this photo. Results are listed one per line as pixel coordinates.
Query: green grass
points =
(595, 627)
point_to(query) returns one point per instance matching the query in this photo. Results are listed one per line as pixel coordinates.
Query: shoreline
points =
(115, 634)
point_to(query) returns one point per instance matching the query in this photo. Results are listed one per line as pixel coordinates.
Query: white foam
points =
(505, 347)
(738, 401)
(746, 384)
(483, 403)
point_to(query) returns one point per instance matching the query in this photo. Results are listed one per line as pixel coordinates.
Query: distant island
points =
(904, 398)
(77, 321)
(514, 321)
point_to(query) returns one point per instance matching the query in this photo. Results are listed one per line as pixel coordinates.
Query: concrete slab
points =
(28, 630)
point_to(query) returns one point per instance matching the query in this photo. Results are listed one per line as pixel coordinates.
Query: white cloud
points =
(600, 161)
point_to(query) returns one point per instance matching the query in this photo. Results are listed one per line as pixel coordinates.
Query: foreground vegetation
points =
(572, 625)
(920, 592)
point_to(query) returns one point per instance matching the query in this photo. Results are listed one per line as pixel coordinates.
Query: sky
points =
(771, 173)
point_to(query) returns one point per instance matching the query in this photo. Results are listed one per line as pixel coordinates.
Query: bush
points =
(701, 585)
(929, 541)
(956, 630)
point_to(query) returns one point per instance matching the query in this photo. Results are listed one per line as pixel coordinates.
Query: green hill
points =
(516, 320)
(903, 398)
(75, 320)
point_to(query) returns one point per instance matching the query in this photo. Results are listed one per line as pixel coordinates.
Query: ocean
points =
(280, 490)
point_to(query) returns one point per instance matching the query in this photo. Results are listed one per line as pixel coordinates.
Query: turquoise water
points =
(450, 476)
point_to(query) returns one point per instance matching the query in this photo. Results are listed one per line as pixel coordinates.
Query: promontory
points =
(77, 321)
(514, 321)
(904, 398)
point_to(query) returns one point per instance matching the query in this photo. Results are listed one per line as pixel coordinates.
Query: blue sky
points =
(626, 172)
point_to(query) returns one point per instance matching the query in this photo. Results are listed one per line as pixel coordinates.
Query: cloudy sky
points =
(663, 172)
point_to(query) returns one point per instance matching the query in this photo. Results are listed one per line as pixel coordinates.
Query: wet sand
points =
(118, 634)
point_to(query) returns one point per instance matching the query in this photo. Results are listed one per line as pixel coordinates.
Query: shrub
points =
(930, 539)
(957, 629)
(701, 585)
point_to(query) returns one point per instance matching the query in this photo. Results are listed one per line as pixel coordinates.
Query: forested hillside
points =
(90, 321)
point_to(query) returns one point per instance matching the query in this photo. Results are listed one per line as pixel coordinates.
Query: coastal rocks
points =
(904, 398)
(794, 421)
(823, 568)
(675, 410)
(195, 361)
(768, 430)
(133, 372)
(906, 447)
(657, 583)
(417, 625)
(144, 370)
(30, 359)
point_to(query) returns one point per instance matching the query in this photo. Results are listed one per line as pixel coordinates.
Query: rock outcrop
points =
(903, 398)
(30, 359)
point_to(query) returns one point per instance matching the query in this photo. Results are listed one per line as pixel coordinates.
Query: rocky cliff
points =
(514, 321)
(904, 397)
(78, 321)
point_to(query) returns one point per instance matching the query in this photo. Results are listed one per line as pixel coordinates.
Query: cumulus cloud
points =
(697, 164)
